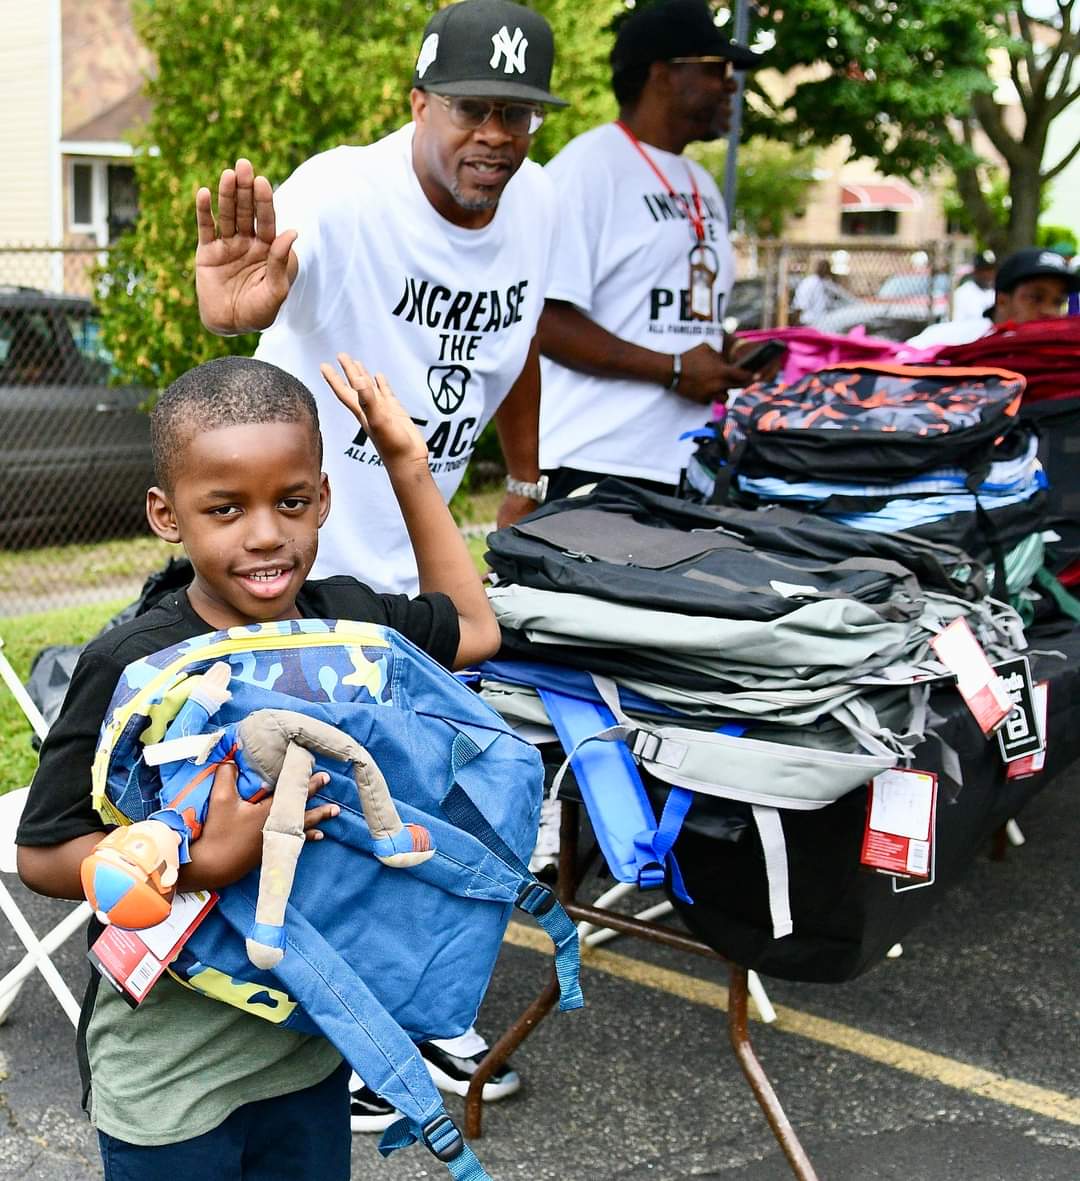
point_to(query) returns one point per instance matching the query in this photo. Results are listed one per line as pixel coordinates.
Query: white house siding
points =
(29, 90)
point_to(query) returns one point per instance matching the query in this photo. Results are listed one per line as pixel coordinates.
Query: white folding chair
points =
(38, 951)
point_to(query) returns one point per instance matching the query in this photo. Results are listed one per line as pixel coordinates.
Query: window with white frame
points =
(102, 198)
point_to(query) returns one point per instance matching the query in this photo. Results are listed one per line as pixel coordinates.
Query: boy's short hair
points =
(230, 391)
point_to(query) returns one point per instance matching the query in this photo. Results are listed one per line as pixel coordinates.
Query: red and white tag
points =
(1032, 764)
(900, 818)
(133, 961)
(982, 689)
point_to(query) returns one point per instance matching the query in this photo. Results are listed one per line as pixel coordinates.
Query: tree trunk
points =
(988, 229)
(1025, 189)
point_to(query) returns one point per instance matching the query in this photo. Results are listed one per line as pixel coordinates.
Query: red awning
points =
(894, 194)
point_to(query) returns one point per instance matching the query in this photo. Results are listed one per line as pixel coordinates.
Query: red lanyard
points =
(694, 216)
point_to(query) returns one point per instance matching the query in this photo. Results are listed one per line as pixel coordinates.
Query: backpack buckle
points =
(535, 898)
(643, 744)
(442, 1138)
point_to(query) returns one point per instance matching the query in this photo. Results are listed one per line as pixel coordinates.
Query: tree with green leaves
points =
(916, 84)
(774, 182)
(278, 82)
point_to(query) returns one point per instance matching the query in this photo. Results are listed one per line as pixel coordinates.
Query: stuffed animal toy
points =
(130, 877)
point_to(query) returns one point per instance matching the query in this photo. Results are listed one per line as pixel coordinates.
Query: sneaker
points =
(544, 862)
(453, 1073)
(368, 1112)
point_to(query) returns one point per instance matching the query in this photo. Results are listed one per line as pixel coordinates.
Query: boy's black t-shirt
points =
(58, 807)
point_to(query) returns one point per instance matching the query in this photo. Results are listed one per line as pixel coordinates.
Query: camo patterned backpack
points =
(376, 958)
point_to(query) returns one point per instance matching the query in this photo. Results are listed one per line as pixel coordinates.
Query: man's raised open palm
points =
(243, 266)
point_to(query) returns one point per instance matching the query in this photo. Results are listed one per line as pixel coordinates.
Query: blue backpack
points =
(376, 958)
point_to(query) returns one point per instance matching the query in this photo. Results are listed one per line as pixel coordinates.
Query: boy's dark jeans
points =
(305, 1134)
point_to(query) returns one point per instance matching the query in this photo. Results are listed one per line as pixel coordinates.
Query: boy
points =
(184, 1085)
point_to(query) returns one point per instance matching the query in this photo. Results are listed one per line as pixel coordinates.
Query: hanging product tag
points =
(1020, 736)
(900, 819)
(133, 961)
(981, 688)
(1032, 764)
(704, 267)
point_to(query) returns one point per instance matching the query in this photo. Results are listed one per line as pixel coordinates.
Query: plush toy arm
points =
(130, 877)
(263, 737)
(283, 838)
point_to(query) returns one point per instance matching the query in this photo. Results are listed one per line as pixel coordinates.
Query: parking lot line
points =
(935, 1067)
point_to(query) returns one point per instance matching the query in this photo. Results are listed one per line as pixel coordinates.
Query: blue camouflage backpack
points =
(376, 959)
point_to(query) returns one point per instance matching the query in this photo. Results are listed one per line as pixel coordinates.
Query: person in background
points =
(813, 296)
(631, 332)
(1032, 284)
(975, 292)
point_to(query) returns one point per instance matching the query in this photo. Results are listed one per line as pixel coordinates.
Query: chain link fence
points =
(74, 445)
(891, 290)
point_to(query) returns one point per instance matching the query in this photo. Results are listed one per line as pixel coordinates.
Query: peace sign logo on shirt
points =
(447, 384)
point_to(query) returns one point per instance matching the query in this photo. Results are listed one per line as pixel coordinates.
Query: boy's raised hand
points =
(243, 266)
(376, 408)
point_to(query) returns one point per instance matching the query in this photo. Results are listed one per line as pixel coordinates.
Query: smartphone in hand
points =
(762, 356)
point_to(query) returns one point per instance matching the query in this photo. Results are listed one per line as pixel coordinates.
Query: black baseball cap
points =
(1034, 263)
(489, 49)
(678, 28)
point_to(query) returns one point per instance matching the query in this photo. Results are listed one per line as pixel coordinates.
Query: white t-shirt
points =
(811, 299)
(971, 300)
(952, 332)
(446, 313)
(622, 258)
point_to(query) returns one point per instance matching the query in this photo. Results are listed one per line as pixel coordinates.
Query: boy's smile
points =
(247, 504)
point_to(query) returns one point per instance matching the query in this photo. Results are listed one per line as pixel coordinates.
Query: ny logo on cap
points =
(428, 52)
(510, 49)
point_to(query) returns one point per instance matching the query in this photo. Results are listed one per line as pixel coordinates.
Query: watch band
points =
(537, 491)
(676, 371)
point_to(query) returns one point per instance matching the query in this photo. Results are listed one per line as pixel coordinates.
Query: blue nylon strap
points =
(615, 798)
(563, 932)
(441, 1137)
(659, 843)
(534, 898)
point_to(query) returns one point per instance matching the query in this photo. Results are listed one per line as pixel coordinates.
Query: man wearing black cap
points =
(425, 255)
(1031, 284)
(631, 332)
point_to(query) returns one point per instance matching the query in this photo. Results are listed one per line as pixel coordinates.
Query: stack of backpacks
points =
(722, 667)
(940, 453)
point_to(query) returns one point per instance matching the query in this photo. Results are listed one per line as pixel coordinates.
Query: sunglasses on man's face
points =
(469, 114)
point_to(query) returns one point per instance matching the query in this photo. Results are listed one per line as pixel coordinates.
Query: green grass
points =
(88, 564)
(24, 636)
(91, 566)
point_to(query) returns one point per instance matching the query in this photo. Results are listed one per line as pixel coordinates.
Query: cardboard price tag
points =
(982, 689)
(900, 819)
(133, 961)
(1022, 734)
(1032, 764)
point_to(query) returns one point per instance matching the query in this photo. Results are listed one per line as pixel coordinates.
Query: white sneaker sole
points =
(491, 1093)
(367, 1124)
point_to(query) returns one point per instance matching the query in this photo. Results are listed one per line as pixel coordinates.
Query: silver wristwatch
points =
(537, 491)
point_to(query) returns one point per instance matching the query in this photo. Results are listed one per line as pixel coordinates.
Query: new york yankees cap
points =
(488, 49)
(1034, 263)
(677, 28)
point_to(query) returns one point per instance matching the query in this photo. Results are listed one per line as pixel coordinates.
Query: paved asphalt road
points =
(641, 1085)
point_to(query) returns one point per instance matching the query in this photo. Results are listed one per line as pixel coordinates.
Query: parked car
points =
(745, 305)
(901, 307)
(75, 458)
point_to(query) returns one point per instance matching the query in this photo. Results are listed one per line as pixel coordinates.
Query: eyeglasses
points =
(469, 114)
